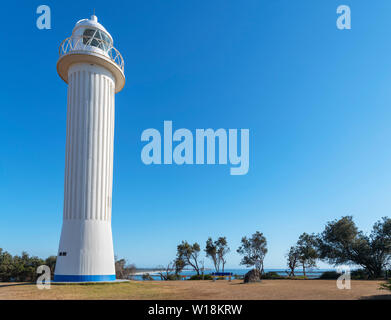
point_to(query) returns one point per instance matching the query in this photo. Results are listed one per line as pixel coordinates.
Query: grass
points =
(84, 291)
(203, 289)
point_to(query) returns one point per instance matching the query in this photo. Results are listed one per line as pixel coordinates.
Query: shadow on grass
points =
(15, 284)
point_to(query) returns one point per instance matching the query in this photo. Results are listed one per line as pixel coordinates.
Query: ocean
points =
(311, 273)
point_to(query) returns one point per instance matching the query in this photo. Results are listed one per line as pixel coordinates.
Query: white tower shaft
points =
(89, 147)
(94, 71)
(88, 176)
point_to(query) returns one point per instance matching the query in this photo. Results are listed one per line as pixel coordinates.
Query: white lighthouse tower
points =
(94, 72)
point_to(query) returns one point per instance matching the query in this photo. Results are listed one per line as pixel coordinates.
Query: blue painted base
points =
(83, 278)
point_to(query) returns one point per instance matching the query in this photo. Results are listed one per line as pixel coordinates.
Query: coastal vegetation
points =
(217, 251)
(22, 268)
(253, 250)
(124, 270)
(340, 243)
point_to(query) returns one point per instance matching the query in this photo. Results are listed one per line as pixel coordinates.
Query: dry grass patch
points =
(172, 290)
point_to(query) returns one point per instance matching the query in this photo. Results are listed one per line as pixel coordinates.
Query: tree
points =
(217, 251)
(179, 264)
(189, 254)
(307, 252)
(342, 243)
(166, 271)
(253, 250)
(123, 270)
(211, 252)
(222, 251)
(6, 265)
(292, 260)
(24, 268)
(146, 277)
(51, 263)
(202, 263)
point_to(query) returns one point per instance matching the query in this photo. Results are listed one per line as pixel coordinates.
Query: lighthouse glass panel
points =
(97, 38)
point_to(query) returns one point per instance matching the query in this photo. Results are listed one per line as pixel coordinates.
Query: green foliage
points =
(329, 275)
(359, 274)
(179, 264)
(306, 250)
(19, 268)
(272, 275)
(199, 277)
(386, 286)
(238, 276)
(342, 243)
(174, 277)
(253, 250)
(293, 260)
(123, 270)
(51, 263)
(188, 254)
(216, 251)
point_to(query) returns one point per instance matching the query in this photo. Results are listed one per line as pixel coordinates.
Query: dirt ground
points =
(209, 290)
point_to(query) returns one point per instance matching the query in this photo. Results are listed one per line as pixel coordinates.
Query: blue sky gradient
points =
(316, 100)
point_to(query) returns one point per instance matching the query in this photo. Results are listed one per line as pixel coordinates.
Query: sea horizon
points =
(153, 272)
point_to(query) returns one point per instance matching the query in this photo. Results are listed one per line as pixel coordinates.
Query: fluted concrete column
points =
(94, 71)
(89, 147)
(88, 174)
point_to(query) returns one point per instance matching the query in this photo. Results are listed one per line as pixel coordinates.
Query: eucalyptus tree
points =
(253, 250)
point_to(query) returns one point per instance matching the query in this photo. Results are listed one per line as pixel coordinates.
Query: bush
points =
(329, 275)
(359, 274)
(147, 277)
(299, 278)
(238, 276)
(386, 286)
(272, 275)
(19, 268)
(199, 277)
(173, 277)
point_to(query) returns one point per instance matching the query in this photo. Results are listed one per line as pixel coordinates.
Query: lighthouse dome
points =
(88, 25)
(91, 43)
(92, 33)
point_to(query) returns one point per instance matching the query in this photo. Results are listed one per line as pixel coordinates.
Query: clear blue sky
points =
(317, 101)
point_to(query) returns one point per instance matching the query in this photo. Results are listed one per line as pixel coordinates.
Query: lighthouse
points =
(94, 72)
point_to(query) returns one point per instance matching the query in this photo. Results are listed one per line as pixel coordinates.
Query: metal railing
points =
(84, 43)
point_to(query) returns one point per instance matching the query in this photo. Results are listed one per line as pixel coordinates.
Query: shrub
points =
(238, 276)
(272, 275)
(299, 278)
(173, 277)
(386, 286)
(147, 277)
(329, 275)
(359, 274)
(199, 277)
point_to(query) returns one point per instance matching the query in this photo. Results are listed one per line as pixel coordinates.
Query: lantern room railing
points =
(85, 43)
